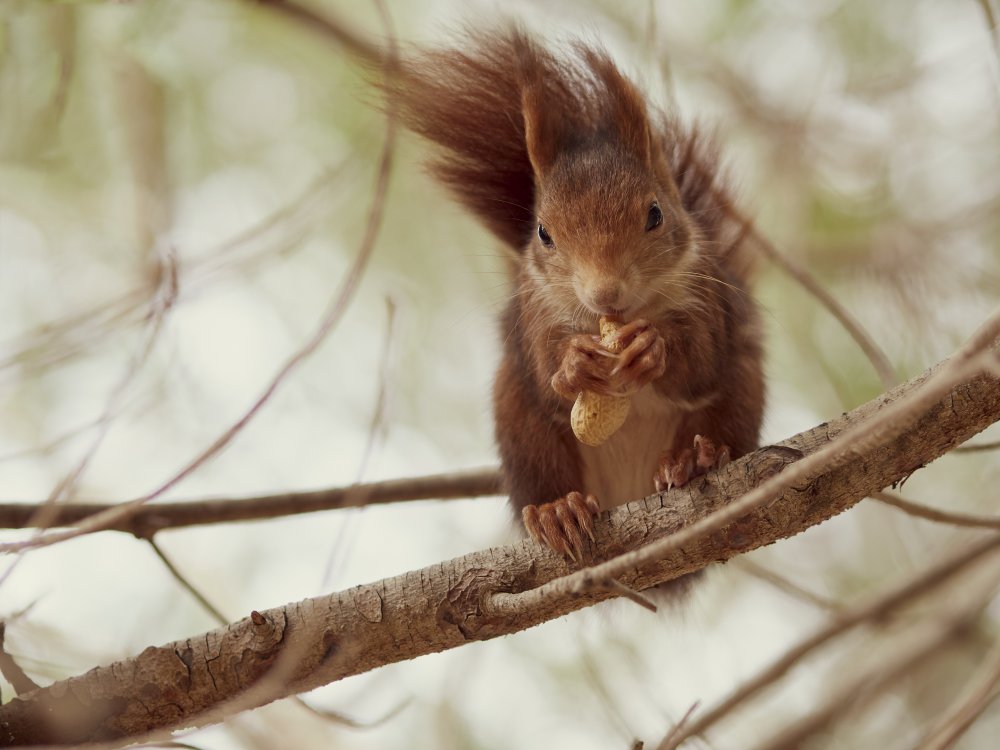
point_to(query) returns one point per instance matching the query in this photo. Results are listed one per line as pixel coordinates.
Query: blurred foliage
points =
(234, 148)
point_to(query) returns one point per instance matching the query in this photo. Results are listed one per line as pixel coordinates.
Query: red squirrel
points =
(611, 208)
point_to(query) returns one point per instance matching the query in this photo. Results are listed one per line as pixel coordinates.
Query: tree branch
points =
(334, 30)
(967, 706)
(146, 520)
(300, 646)
(868, 611)
(877, 357)
(932, 640)
(965, 520)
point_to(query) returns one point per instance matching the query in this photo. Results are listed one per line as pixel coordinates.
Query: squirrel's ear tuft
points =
(540, 128)
(625, 107)
(548, 103)
(633, 122)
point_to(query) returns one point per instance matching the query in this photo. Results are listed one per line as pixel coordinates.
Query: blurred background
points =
(184, 188)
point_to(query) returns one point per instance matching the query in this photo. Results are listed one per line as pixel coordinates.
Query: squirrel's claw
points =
(558, 524)
(645, 355)
(643, 359)
(677, 469)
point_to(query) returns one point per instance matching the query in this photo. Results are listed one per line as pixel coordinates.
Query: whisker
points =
(707, 277)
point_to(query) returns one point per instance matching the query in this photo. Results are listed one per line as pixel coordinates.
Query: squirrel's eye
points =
(544, 237)
(655, 217)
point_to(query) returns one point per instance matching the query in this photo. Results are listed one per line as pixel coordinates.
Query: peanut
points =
(596, 417)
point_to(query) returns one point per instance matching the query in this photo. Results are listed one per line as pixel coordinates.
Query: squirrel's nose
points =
(606, 298)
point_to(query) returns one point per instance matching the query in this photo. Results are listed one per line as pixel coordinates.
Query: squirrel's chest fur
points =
(622, 469)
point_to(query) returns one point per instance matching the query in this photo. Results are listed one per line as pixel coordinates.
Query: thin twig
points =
(188, 586)
(681, 724)
(867, 611)
(330, 319)
(342, 545)
(346, 721)
(627, 592)
(785, 585)
(870, 683)
(883, 368)
(335, 30)
(11, 670)
(967, 706)
(880, 362)
(51, 445)
(165, 291)
(377, 423)
(88, 325)
(597, 679)
(163, 299)
(977, 448)
(100, 321)
(966, 520)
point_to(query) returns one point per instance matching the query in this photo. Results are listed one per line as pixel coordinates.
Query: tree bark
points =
(300, 646)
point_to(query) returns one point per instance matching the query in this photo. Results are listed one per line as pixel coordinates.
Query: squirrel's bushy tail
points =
(467, 101)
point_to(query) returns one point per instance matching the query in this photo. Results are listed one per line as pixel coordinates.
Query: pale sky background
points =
(863, 136)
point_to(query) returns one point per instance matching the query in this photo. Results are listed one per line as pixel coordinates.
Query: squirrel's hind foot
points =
(678, 468)
(561, 524)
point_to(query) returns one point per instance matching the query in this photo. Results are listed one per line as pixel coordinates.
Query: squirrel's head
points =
(612, 239)
(612, 236)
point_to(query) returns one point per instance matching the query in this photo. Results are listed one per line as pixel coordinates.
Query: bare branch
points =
(333, 29)
(978, 448)
(186, 584)
(933, 514)
(626, 592)
(967, 706)
(877, 357)
(201, 679)
(787, 586)
(377, 424)
(871, 682)
(874, 353)
(149, 519)
(868, 611)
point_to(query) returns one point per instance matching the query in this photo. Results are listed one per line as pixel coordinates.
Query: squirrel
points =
(613, 208)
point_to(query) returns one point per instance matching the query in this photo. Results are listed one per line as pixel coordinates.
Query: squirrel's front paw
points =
(590, 365)
(643, 356)
(586, 366)
(559, 524)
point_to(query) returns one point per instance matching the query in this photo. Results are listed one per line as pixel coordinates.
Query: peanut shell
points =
(596, 417)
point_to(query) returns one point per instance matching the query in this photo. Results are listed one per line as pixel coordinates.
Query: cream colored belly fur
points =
(622, 469)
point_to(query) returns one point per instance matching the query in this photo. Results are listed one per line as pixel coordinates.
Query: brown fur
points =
(526, 137)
